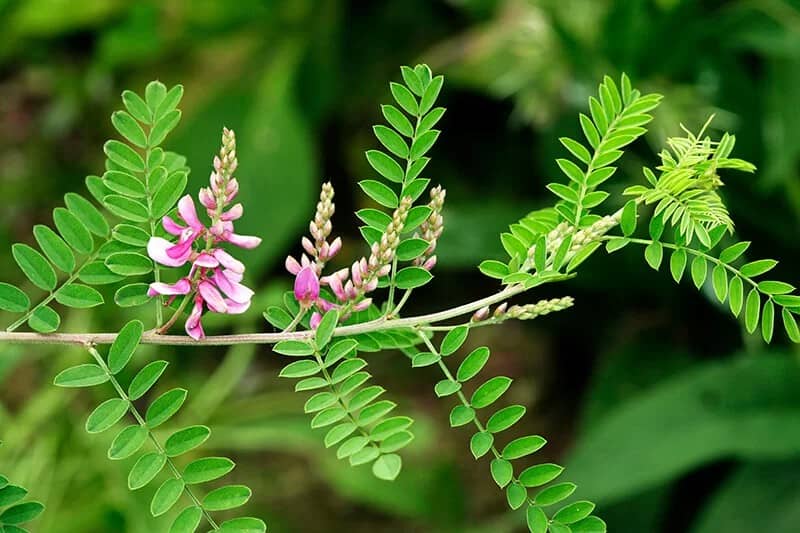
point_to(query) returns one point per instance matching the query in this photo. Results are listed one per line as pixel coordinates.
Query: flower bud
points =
(306, 287)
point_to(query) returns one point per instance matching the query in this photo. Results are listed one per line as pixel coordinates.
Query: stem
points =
(296, 320)
(140, 420)
(378, 324)
(52, 294)
(163, 329)
(396, 311)
(156, 267)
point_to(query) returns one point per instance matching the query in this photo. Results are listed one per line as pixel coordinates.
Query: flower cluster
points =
(214, 279)
(348, 285)
(432, 229)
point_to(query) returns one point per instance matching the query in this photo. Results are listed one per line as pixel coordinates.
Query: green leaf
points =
(320, 401)
(412, 80)
(375, 412)
(379, 192)
(145, 469)
(13, 300)
(628, 220)
(516, 495)
(78, 296)
(127, 126)
(574, 512)
(756, 268)
(502, 472)
(554, 494)
(494, 269)
(385, 166)
(422, 144)
(34, 266)
(736, 295)
(410, 249)
(126, 208)
(480, 443)
(536, 519)
(54, 247)
(523, 446)
(154, 94)
(364, 456)
(186, 440)
(124, 156)
(207, 469)
(300, 369)
(293, 348)
(164, 407)
(490, 391)
(653, 254)
(187, 521)
(351, 446)
(127, 442)
(73, 230)
(97, 273)
(225, 498)
(136, 106)
(20, 514)
(699, 271)
(446, 387)
(346, 369)
(733, 252)
(752, 309)
(572, 171)
(124, 183)
(461, 415)
(11, 494)
(125, 345)
(163, 127)
(170, 101)
(87, 213)
(719, 278)
(244, 525)
(775, 287)
(340, 350)
(505, 418)
(425, 359)
(325, 328)
(412, 277)
(167, 196)
(391, 140)
(44, 320)
(790, 325)
(454, 340)
(472, 364)
(430, 120)
(106, 415)
(538, 475)
(132, 295)
(768, 321)
(677, 264)
(431, 94)
(576, 149)
(398, 120)
(387, 467)
(338, 433)
(166, 496)
(129, 264)
(86, 375)
(404, 97)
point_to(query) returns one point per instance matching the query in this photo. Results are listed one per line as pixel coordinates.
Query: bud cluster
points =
(594, 232)
(320, 229)
(522, 312)
(432, 228)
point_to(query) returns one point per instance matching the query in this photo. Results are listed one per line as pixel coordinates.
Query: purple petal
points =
(243, 241)
(182, 286)
(235, 308)
(234, 290)
(316, 318)
(193, 326)
(171, 226)
(206, 260)
(212, 297)
(228, 261)
(188, 213)
(306, 286)
(157, 250)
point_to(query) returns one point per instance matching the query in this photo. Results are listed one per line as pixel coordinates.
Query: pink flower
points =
(214, 279)
(306, 286)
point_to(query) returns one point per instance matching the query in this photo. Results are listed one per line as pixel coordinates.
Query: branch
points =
(151, 337)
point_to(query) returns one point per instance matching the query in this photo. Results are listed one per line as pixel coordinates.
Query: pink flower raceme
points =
(215, 276)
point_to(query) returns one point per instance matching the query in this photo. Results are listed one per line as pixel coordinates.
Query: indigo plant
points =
(179, 253)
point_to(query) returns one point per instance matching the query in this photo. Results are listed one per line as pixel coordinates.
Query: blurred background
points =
(665, 412)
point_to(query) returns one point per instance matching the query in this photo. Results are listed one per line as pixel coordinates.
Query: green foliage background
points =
(665, 412)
